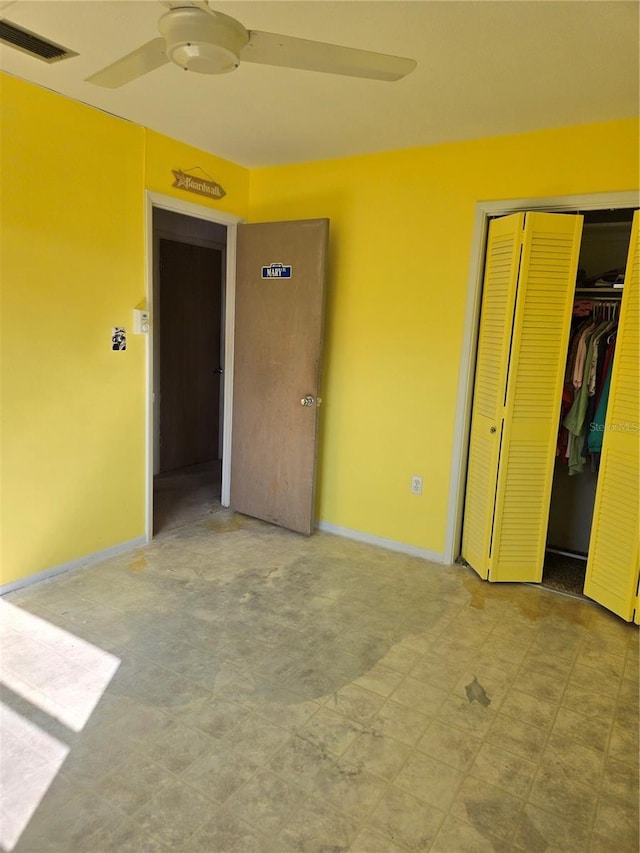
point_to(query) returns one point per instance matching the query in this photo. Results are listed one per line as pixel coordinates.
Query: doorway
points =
(483, 213)
(188, 353)
(545, 283)
(604, 248)
(304, 396)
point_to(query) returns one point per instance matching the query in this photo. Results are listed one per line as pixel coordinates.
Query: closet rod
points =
(602, 292)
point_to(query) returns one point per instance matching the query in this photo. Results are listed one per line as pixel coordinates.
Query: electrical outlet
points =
(416, 485)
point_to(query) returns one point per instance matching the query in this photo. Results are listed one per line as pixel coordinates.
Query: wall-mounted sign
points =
(197, 185)
(277, 271)
(118, 339)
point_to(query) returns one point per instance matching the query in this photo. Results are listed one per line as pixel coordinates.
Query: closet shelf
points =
(600, 291)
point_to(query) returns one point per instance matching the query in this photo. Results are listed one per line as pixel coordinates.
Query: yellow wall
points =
(401, 228)
(72, 266)
(164, 154)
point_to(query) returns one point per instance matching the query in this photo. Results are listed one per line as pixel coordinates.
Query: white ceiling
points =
(485, 67)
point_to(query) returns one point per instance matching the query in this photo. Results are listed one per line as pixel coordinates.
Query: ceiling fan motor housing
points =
(206, 42)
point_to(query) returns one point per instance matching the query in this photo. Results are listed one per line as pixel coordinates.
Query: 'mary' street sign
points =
(277, 271)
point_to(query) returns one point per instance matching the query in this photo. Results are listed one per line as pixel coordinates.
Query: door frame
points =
(197, 211)
(484, 211)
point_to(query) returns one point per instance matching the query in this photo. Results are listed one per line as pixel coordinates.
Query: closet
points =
(533, 262)
(601, 265)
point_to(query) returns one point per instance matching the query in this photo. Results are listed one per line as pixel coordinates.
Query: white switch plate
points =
(416, 485)
(141, 321)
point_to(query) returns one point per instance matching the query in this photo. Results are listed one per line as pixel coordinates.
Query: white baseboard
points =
(89, 560)
(124, 547)
(390, 544)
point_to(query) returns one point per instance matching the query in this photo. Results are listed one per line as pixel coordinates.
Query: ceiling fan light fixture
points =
(204, 58)
(206, 42)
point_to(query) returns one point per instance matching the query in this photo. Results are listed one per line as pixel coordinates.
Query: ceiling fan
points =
(197, 38)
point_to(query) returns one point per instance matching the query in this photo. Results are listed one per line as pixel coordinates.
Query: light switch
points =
(141, 321)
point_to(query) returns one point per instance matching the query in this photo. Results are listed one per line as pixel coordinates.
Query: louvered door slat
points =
(498, 301)
(540, 339)
(613, 565)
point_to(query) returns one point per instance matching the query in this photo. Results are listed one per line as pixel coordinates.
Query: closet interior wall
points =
(604, 247)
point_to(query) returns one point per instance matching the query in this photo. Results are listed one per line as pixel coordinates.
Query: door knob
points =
(493, 429)
(218, 370)
(308, 400)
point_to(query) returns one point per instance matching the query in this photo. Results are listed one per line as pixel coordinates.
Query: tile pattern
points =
(280, 693)
(186, 495)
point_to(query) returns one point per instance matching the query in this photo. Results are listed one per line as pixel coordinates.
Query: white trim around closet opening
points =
(484, 211)
(153, 199)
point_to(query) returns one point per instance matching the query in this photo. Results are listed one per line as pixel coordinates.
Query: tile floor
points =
(236, 687)
(185, 495)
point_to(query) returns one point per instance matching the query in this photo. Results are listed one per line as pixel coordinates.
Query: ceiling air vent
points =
(32, 44)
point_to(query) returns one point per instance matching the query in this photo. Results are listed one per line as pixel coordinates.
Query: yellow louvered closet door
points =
(524, 331)
(613, 565)
(540, 341)
(498, 302)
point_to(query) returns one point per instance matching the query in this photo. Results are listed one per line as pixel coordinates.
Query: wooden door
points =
(190, 323)
(528, 351)
(279, 313)
(614, 566)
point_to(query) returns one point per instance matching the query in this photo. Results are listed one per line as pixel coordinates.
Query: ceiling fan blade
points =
(146, 58)
(289, 52)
